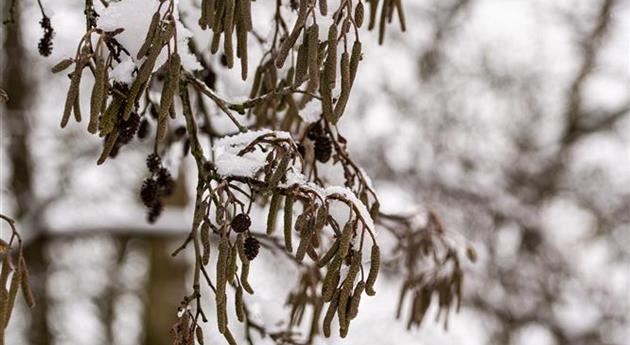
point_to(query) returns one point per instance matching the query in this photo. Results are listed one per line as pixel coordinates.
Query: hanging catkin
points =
(222, 262)
(274, 205)
(330, 313)
(168, 93)
(289, 42)
(323, 7)
(301, 65)
(245, 264)
(25, 284)
(331, 58)
(359, 13)
(205, 243)
(110, 141)
(98, 93)
(73, 92)
(144, 49)
(228, 48)
(239, 305)
(324, 260)
(374, 268)
(62, 65)
(313, 50)
(241, 37)
(355, 300)
(288, 223)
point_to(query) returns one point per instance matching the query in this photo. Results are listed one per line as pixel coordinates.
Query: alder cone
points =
(241, 223)
(323, 148)
(251, 247)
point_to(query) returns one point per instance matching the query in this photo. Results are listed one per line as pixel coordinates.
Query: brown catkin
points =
(222, 263)
(345, 239)
(354, 60)
(331, 279)
(108, 121)
(98, 92)
(313, 65)
(232, 267)
(168, 93)
(331, 58)
(359, 13)
(301, 65)
(373, 9)
(274, 205)
(305, 240)
(256, 83)
(241, 38)
(401, 14)
(355, 300)
(324, 260)
(25, 283)
(144, 73)
(77, 108)
(228, 30)
(288, 223)
(73, 94)
(323, 7)
(110, 141)
(345, 86)
(330, 313)
(245, 264)
(218, 24)
(229, 337)
(62, 65)
(246, 14)
(10, 300)
(344, 295)
(155, 20)
(239, 304)
(199, 335)
(374, 268)
(289, 42)
(205, 243)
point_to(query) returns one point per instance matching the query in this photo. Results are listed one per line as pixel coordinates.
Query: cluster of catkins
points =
(155, 187)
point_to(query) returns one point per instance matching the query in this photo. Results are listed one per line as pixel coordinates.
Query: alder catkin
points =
(155, 20)
(25, 284)
(313, 50)
(274, 205)
(110, 141)
(289, 42)
(359, 13)
(239, 304)
(323, 261)
(301, 65)
(354, 60)
(222, 262)
(355, 300)
(168, 93)
(331, 279)
(73, 94)
(288, 223)
(330, 313)
(331, 58)
(98, 92)
(323, 7)
(373, 9)
(9, 302)
(77, 108)
(228, 29)
(401, 14)
(345, 239)
(62, 65)
(232, 267)
(205, 243)
(374, 268)
(245, 264)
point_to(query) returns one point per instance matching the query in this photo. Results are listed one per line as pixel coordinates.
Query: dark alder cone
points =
(148, 192)
(127, 129)
(315, 131)
(155, 211)
(301, 150)
(143, 129)
(45, 43)
(153, 162)
(180, 131)
(323, 148)
(165, 181)
(251, 247)
(241, 222)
